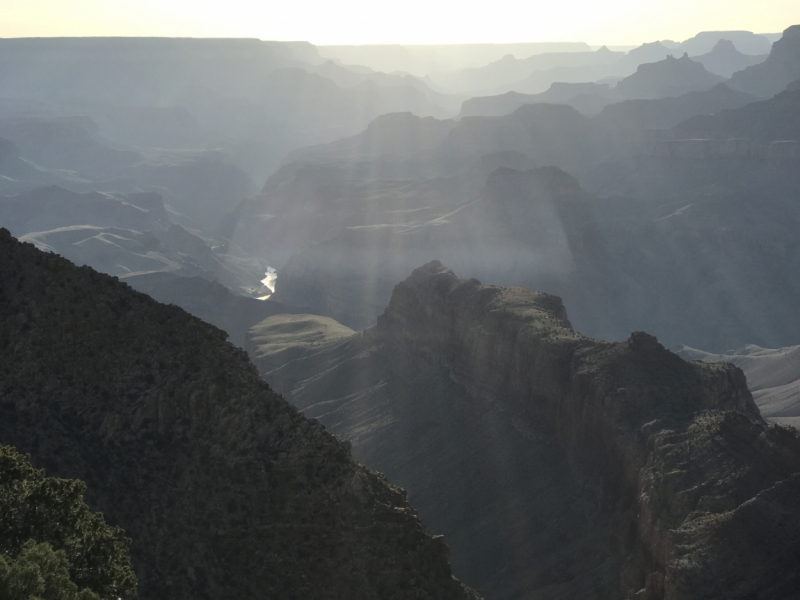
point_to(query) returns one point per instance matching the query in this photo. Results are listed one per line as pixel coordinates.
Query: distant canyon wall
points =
(703, 149)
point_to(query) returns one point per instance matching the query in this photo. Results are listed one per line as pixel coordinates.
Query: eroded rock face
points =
(226, 491)
(675, 485)
(779, 69)
(669, 77)
(725, 60)
(773, 375)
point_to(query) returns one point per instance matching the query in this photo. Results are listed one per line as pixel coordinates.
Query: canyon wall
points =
(645, 475)
(701, 149)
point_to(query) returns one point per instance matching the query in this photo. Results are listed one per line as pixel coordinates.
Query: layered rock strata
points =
(225, 490)
(578, 468)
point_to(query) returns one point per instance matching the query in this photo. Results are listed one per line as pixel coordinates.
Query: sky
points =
(323, 22)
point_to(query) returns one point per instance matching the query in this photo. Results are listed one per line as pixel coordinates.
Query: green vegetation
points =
(52, 546)
(39, 573)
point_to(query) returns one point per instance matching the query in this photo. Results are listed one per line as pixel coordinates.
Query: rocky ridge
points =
(696, 494)
(225, 490)
(725, 60)
(773, 375)
(779, 69)
(669, 77)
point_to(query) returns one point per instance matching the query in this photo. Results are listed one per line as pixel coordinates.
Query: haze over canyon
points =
(503, 321)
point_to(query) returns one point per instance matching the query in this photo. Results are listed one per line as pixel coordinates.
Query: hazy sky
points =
(405, 21)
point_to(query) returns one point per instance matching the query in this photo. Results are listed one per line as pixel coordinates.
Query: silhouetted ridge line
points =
(225, 490)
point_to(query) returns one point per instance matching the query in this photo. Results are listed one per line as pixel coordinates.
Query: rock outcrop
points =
(225, 490)
(725, 60)
(586, 98)
(746, 42)
(579, 468)
(769, 120)
(550, 134)
(669, 112)
(669, 77)
(773, 375)
(781, 67)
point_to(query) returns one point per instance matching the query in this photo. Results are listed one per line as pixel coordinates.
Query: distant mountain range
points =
(237, 95)
(422, 60)
(722, 53)
(667, 78)
(350, 218)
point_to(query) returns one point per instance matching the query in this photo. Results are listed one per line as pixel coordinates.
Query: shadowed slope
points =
(560, 466)
(225, 490)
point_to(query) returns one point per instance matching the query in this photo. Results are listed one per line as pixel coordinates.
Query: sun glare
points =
(409, 22)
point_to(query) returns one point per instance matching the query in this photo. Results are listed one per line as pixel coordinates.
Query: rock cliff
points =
(736, 148)
(669, 112)
(773, 375)
(669, 77)
(225, 490)
(770, 120)
(779, 69)
(574, 467)
(725, 60)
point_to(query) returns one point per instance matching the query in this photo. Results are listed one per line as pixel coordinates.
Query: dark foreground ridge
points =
(225, 490)
(559, 466)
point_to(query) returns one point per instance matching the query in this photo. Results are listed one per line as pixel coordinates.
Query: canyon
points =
(559, 466)
(257, 380)
(225, 489)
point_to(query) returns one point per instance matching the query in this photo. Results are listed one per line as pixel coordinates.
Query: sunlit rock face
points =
(557, 465)
(225, 490)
